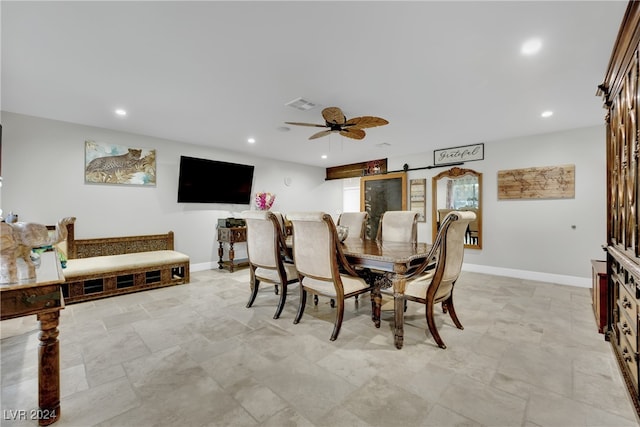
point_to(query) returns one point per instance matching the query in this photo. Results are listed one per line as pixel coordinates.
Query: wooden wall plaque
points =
(356, 170)
(548, 182)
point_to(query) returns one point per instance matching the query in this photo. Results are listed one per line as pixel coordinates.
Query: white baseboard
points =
(582, 282)
(203, 266)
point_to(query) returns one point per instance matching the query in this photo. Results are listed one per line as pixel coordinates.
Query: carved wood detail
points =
(620, 94)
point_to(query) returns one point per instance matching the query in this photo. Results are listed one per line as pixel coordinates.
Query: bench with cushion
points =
(102, 267)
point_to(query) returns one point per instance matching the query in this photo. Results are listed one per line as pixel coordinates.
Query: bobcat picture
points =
(117, 164)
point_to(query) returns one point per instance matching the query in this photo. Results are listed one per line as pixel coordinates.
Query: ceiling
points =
(216, 73)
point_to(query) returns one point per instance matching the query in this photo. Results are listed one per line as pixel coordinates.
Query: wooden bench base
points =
(90, 287)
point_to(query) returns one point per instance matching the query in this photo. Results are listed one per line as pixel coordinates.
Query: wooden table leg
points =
(378, 282)
(399, 283)
(49, 369)
(220, 253)
(376, 302)
(232, 255)
(398, 301)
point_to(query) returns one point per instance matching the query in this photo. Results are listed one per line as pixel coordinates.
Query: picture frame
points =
(381, 193)
(546, 182)
(418, 198)
(106, 163)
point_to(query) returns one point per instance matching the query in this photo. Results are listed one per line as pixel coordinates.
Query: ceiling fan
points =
(336, 121)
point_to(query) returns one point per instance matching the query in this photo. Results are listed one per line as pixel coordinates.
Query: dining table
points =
(388, 264)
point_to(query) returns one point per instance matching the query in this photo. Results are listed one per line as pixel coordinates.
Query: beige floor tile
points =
(194, 355)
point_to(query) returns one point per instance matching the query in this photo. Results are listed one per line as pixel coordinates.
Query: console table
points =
(231, 235)
(43, 298)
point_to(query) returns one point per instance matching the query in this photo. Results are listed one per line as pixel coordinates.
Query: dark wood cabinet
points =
(230, 236)
(621, 93)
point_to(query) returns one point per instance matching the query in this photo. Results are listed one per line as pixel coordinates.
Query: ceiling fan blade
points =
(334, 115)
(353, 133)
(306, 124)
(320, 134)
(365, 122)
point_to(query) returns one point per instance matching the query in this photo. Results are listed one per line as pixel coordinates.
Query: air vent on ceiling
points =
(301, 104)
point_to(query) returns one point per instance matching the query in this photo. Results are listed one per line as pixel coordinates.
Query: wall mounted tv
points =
(211, 181)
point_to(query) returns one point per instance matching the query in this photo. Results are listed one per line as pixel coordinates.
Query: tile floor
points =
(193, 355)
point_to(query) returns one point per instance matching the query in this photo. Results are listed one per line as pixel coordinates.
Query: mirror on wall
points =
(458, 189)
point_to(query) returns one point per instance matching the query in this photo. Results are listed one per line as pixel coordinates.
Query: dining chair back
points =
(280, 217)
(431, 285)
(398, 226)
(355, 221)
(442, 213)
(322, 267)
(267, 250)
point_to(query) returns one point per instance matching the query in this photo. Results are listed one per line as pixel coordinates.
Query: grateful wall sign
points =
(465, 153)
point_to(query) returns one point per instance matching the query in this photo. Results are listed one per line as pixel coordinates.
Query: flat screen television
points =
(212, 181)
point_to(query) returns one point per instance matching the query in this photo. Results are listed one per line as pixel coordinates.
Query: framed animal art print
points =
(118, 164)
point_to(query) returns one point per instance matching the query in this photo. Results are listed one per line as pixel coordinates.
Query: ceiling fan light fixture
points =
(336, 122)
(301, 104)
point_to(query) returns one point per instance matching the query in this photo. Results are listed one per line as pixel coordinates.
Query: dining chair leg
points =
(432, 326)
(339, 317)
(303, 302)
(448, 306)
(254, 285)
(283, 298)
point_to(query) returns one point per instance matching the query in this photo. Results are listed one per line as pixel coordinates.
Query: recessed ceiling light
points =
(121, 112)
(531, 47)
(251, 140)
(546, 114)
(324, 156)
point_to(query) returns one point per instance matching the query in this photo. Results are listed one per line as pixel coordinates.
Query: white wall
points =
(534, 238)
(43, 180)
(43, 160)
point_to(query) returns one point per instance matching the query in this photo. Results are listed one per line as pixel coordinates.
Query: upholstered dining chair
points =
(267, 249)
(322, 267)
(355, 221)
(430, 286)
(398, 226)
